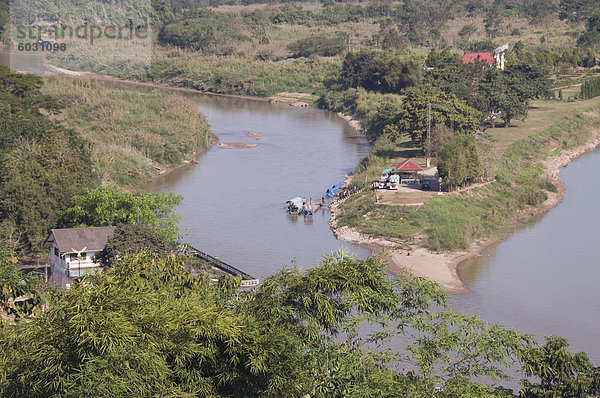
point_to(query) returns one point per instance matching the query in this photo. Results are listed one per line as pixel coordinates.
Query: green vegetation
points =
(147, 327)
(243, 76)
(590, 88)
(42, 164)
(120, 12)
(560, 373)
(132, 134)
(20, 293)
(258, 41)
(459, 162)
(379, 71)
(132, 239)
(321, 45)
(455, 221)
(107, 205)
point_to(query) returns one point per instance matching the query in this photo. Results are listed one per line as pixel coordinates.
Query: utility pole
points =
(428, 134)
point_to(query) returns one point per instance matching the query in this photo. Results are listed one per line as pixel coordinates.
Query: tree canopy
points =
(131, 239)
(147, 327)
(446, 109)
(379, 71)
(42, 164)
(459, 162)
(107, 205)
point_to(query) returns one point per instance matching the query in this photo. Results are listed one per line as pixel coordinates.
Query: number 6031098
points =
(45, 46)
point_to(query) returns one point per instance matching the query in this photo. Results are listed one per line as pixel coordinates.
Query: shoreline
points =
(276, 98)
(439, 267)
(190, 158)
(443, 267)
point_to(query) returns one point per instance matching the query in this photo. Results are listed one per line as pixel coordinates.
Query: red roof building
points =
(408, 165)
(470, 58)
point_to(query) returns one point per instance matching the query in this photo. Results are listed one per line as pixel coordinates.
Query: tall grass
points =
(454, 222)
(243, 76)
(132, 135)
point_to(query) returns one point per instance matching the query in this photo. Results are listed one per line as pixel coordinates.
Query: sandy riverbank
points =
(443, 267)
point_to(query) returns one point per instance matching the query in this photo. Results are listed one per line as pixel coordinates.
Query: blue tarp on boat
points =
(333, 190)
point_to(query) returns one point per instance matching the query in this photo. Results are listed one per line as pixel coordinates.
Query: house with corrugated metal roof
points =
(72, 251)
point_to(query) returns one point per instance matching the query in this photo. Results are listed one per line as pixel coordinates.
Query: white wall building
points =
(72, 251)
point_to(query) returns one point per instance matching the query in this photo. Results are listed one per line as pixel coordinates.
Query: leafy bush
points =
(322, 45)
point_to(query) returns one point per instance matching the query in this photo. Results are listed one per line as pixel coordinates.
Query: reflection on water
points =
(545, 278)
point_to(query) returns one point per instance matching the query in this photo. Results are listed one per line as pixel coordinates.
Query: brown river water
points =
(544, 279)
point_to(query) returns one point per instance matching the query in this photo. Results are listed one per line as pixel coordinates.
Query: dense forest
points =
(146, 327)
(42, 163)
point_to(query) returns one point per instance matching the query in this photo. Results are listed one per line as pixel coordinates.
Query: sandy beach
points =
(443, 267)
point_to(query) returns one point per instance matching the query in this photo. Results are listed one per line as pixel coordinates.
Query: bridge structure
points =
(247, 279)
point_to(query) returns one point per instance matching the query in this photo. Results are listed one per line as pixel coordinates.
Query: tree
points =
(107, 205)
(560, 373)
(146, 327)
(322, 45)
(492, 20)
(447, 110)
(37, 183)
(591, 37)
(379, 71)
(441, 135)
(20, 293)
(467, 30)
(131, 239)
(42, 164)
(459, 162)
(498, 99)
(575, 11)
(541, 12)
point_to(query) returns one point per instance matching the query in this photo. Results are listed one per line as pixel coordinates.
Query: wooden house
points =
(72, 251)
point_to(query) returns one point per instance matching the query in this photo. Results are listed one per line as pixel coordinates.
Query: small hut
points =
(409, 172)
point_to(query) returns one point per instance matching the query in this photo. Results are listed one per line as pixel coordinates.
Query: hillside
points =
(134, 136)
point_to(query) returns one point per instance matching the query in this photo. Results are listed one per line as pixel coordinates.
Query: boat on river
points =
(295, 205)
(333, 190)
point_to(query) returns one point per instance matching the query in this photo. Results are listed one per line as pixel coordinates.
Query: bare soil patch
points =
(236, 145)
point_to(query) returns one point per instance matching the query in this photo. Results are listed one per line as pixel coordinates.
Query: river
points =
(542, 280)
(234, 198)
(545, 278)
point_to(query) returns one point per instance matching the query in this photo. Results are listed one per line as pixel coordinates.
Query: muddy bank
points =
(354, 123)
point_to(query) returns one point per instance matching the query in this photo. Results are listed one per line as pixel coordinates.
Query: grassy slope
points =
(453, 222)
(131, 135)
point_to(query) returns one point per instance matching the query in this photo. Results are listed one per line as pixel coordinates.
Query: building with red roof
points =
(408, 165)
(470, 58)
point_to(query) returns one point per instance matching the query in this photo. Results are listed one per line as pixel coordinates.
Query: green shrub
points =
(322, 45)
